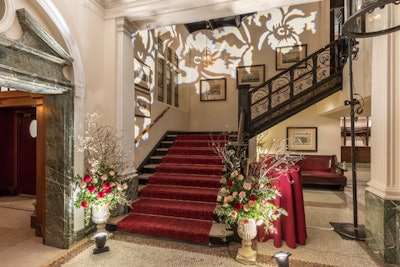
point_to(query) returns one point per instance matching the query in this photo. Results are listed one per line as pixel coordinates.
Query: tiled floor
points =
(19, 247)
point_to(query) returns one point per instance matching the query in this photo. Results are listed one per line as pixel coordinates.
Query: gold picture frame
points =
(302, 139)
(141, 74)
(286, 56)
(252, 75)
(213, 89)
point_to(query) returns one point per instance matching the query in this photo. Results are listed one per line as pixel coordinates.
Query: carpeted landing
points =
(180, 197)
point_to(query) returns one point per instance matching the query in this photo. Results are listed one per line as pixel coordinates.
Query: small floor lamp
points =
(372, 18)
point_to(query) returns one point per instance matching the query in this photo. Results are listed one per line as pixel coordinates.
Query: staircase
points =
(305, 83)
(180, 181)
(178, 191)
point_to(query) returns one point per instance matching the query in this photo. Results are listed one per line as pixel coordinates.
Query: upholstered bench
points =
(322, 170)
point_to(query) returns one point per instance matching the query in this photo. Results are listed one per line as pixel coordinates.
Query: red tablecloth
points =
(291, 228)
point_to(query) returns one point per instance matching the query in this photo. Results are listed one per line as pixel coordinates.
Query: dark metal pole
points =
(353, 139)
(352, 231)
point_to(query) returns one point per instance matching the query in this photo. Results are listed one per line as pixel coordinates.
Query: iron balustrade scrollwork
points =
(304, 80)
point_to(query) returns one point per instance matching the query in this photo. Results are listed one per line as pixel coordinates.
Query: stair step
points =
(185, 180)
(191, 151)
(141, 186)
(172, 136)
(144, 176)
(180, 192)
(217, 230)
(190, 168)
(175, 208)
(167, 144)
(204, 136)
(193, 159)
(162, 151)
(197, 143)
(178, 188)
(169, 227)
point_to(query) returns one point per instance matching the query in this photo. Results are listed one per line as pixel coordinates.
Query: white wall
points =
(223, 115)
(176, 118)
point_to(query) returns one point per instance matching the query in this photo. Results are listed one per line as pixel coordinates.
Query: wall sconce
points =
(282, 258)
(100, 240)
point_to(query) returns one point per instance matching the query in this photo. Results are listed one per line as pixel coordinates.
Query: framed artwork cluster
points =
(254, 75)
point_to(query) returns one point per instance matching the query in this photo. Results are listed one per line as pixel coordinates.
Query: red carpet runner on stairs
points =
(181, 195)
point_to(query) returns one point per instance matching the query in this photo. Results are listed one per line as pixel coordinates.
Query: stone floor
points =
(20, 247)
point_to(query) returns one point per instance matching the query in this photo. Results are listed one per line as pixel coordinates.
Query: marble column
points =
(125, 96)
(383, 191)
(59, 159)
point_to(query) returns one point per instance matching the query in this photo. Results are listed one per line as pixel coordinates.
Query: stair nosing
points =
(183, 186)
(180, 200)
(165, 216)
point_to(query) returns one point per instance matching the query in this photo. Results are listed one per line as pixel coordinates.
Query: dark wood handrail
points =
(148, 127)
(293, 89)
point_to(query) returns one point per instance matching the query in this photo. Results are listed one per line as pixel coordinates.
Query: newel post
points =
(244, 105)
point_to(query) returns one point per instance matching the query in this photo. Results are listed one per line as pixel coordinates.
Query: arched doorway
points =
(35, 67)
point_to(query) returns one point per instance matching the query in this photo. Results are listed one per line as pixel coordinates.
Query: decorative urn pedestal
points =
(100, 216)
(247, 230)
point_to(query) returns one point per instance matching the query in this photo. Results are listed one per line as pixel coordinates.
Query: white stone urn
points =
(100, 216)
(247, 230)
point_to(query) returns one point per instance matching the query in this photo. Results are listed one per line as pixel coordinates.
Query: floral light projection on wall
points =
(229, 46)
(285, 27)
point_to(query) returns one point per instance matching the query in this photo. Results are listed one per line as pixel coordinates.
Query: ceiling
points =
(148, 14)
(212, 24)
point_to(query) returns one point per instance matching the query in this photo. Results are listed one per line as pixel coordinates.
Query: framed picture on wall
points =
(288, 55)
(302, 138)
(141, 74)
(142, 103)
(252, 75)
(213, 89)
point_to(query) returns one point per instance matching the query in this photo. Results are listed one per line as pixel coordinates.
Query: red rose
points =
(253, 197)
(101, 194)
(106, 185)
(87, 178)
(229, 183)
(84, 204)
(108, 190)
(237, 206)
(91, 188)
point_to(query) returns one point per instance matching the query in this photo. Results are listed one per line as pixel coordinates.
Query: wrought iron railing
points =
(294, 89)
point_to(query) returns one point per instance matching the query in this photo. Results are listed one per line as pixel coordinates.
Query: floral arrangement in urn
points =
(251, 196)
(106, 180)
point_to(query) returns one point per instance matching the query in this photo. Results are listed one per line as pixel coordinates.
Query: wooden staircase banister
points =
(303, 84)
(148, 127)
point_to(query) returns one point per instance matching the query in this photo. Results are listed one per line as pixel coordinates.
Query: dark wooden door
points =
(26, 164)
